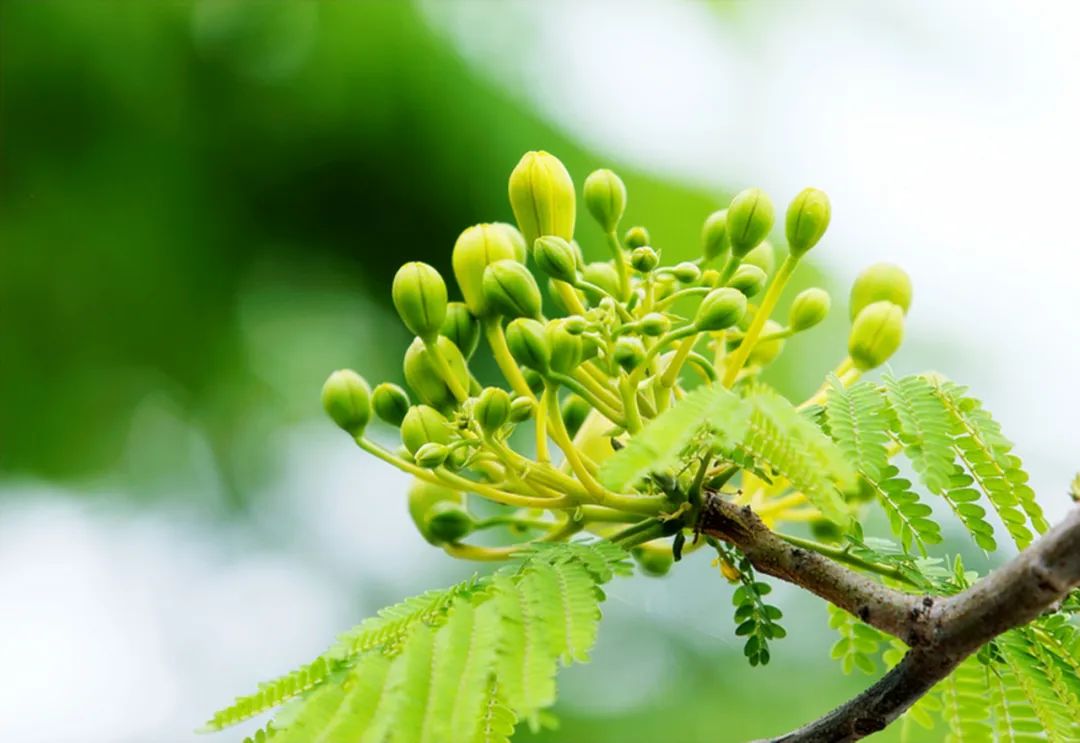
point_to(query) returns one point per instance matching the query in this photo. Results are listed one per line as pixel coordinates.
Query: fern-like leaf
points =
(859, 425)
(966, 704)
(1039, 678)
(497, 721)
(923, 428)
(908, 516)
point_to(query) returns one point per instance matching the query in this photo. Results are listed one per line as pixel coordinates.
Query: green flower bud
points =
(492, 409)
(605, 196)
(542, 197)
(749, 219)
(447, 522)
(644, 259)
(423, 496)
(346, 398)
(876, 334)
(419, 294)
(423, 425)
(604, 275)
(807, 219)
(763, 256)
(556, 258)
(654, 561)
(637, 237)
(629, 352)
(511, 290)
(534, 380)
(720, 309)
(391, 403)
(714, 242)
(686, 273)
(528, 343)
(664, 286)
(881, 282)
(566, 348)
(655, 324)
(748, 279)
(521, 409)
(808, 309)
(477, 248)
(765, 351)
(462, 328)
(710, 277)
(575, 324)
(574, 411)
(423, 376)
(431, 455)
(521, 252)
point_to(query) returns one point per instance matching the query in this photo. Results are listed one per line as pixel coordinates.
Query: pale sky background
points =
(946, 134)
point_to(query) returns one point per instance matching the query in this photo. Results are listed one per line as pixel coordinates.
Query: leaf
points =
(923, 428)
(858, 423)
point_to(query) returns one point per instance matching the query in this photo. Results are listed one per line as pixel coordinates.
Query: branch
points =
(941, 631)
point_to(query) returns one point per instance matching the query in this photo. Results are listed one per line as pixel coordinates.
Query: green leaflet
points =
(923, 428)
(1049, 698)
(966, 705)
(658, 446)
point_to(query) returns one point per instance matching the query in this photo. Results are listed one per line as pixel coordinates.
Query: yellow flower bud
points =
(720, 309)
(346, 398)
(422, 425)
(521, 252)
(605, 196)
(542, 197)
(462, 328)
(749, 219)
(423, 375)
(419, 294)
(714, 242)
(566, 348)
(492, 409)
(477, 248)
(644, 259)
(765, 351)
(390, 402)
(808, 309)
(556, 258)
(763, 256)
(637, 237)
(748, 279)
(807, 219)
(528, 343)
(876, 334)
(881, 282)
(511, 290)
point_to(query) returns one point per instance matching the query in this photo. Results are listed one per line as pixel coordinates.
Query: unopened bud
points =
(766, 349)
(748, 279)
(605, 196)
(447, 522)
(629, 352)
(686, 273)
(461, 327)
(710, 277)
(566, 348)
(603, 275)
(521, 409)
(575, 324)
(808, 309)
(528, 343)
(654, 324)
(423, 496)
(556, 258)
(749, 219)
(431, 455)
(714, 241)
(644, 259)
(876, 334)
(763, 256)
(516, 239)
(654, 561)
(807, 219)
(492, 409)
(574, 411)
(477, 248)
(511, 290)
(422, 373)
(881, 282)
(390, 402)
(422, 425)
(542, 197)
(720, 309)
(636, 237)
(419, 294)
(346, 398)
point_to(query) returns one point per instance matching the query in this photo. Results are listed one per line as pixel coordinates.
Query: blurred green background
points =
(201, 209)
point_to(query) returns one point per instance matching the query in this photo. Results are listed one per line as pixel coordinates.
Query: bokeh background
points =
(201, 208)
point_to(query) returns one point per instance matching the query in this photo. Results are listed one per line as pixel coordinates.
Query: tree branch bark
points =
(941, 631)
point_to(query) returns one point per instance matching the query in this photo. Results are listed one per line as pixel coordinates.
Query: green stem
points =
(738, 358)
(620, 265)
(497, 340)
(443, 367)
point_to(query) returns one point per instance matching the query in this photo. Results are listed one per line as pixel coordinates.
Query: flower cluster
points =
(631, 337)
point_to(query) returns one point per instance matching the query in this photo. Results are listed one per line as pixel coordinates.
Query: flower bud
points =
(765, 351)
(763, 256)
(423, 496)
(876, 334)
(574, 411)
(664, 287)
(655, 324)
(714, 242)
(575, 324)
(492, 409)
(542, 197)
(423, 376)
(528, 343)
(462, 328)
(511, 290)
(521, 409)
(808, 309)
(654, 561)
(629, 352)
(566, 348)
(431, 455)
(603, 275)
(390, 402)
(419, 294)
(644, 259)
(720, 309)
(423, 425)
(521, 253)
(346, 398)
(534, 380)
(807, 219)
(710, 277)
(749, 219)
(556, 258)
(605, 196)
(447, 522)
(637, 237)
(477, 248)
(686, 273)
(748, 279)
(881, 282)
